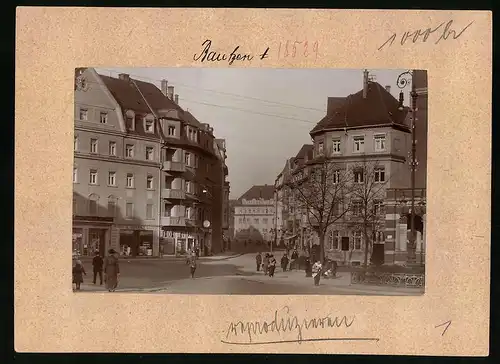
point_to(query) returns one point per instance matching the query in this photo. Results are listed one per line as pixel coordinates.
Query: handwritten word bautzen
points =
(207, 54)
(284, 322)
(423, 34)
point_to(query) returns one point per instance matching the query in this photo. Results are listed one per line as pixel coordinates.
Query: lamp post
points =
(403, 80)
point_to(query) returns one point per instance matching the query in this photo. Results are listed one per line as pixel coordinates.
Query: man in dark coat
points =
(97, 264)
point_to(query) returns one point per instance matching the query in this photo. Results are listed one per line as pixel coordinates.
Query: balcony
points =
(173, 221)
(171, 166)
(173, 194)
(193, 222)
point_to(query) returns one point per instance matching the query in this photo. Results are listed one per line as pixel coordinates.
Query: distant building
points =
(254, 215)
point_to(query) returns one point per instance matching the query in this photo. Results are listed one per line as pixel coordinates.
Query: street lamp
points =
(403, 80)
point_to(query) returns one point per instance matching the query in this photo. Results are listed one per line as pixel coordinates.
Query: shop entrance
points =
(96, 242)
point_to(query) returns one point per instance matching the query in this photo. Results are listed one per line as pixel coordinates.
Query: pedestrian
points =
(111, 270)
(78, 272)
(265, 265)
(192, 264)
(258, 261)
(316, 272)
(334, 268)
(295, 261)
(284, 262)
(272, 265)
(197, 251)
(308, 266)
(97, 264)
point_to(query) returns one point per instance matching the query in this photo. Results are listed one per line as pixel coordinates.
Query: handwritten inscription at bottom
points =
(244, 333)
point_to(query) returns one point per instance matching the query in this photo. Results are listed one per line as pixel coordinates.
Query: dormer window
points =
(149, 126)
(171, 130)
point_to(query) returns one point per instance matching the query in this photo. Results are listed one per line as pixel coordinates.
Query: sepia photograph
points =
(249, 181)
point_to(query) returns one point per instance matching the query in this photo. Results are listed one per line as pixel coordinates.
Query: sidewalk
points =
(221, 256)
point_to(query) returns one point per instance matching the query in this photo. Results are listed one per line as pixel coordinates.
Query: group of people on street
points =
(328, 268)
(109, 265)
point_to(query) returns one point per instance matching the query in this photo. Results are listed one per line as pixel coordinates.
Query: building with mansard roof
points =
(162, 164)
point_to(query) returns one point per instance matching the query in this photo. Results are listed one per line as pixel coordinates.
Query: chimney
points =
(388, 88)
(176, 99)
(170, 92)
(365, 83)
(164, 85)
(124, 77)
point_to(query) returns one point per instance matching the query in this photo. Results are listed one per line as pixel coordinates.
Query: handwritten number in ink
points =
(315, 49)
(306, 46)
(447, 323)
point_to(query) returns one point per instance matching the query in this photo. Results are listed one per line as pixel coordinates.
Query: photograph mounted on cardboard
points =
(250, 181)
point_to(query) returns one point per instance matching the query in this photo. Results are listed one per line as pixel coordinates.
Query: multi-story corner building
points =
(368, 127)
(116, 169)
(255, 215)
(164, 182)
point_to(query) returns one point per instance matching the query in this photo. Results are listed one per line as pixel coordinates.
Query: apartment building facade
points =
(160, 164)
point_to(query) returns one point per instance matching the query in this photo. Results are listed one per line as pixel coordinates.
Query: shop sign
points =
(94, 218)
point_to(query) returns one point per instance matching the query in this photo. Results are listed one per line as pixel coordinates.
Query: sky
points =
(264, 114)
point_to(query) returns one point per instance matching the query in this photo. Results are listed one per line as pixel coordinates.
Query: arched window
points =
(93, 204)
(112, 205)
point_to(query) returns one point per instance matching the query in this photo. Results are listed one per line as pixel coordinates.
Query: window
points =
(84, 114)
(149, 153)
(358, 176)
(93, 207)
(358, 238)
(112, 206)
(129, 210)
(171, 130)
(150, 126)
(187, 159)
(112, 148)
(129, 151)
(103, 117)
(188, 187)
(379, 143)
(75, 175)
(167, 209)
(336, 177)
(93, 145)
(320, 148)
(256, 221)
(334, 239)
(149, 182)
(130, 123)
(75, 145)
(75, 206)
(357, 208)
(112, 179)
(336, 145)
(130, 180)
(93, 177)
(149, 211)
(265, 220)
(359, 144)
(379, 175)
(378, 208)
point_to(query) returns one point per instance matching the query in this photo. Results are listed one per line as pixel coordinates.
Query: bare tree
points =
(321, 194)
(367, 195)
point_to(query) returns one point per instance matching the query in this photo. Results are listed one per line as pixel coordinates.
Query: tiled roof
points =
(378, 108)
(156, 99)
(126, 94)
(265, 192)
(191, 120)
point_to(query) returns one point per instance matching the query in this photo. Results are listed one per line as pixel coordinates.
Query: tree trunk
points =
(321, 246)
(366, 245)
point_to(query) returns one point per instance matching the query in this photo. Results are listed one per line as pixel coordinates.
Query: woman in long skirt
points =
(111, 270)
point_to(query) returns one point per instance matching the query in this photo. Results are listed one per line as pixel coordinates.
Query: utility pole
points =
(412, 257)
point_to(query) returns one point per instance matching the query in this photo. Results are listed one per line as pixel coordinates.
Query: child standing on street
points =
(78, 272)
